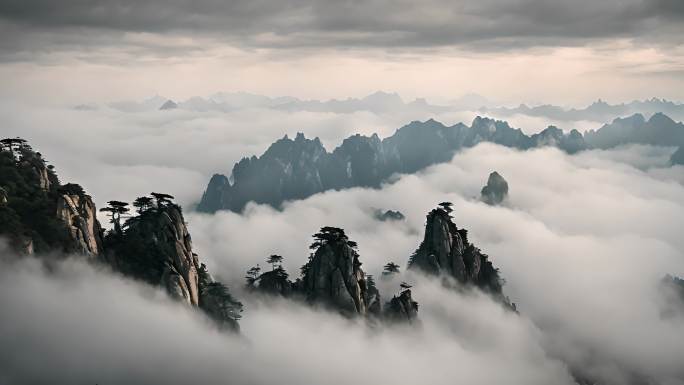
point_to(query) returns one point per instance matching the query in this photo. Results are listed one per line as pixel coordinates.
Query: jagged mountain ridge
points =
(295, 169)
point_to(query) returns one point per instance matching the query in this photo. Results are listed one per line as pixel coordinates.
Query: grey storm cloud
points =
(472, 24)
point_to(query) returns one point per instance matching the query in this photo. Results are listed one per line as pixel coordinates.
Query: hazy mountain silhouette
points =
(296, 169)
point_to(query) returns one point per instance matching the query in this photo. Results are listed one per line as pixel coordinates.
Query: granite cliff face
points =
(156, 247)
(171, 239)
(78, 212)
(333, 276)
(496, 189)
(445, 250)
(37, 212)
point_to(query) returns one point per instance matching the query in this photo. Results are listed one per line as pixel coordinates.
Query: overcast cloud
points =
(478, 24)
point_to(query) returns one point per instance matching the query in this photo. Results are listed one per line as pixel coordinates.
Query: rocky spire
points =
(496, 189)
(333, 276)
(402, 308)
(445, 250)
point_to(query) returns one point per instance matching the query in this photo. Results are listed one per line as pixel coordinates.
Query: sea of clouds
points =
(582, 242)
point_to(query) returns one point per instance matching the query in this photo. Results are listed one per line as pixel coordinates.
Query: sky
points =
(514, 51)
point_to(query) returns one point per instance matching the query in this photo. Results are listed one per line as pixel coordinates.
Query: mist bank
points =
(581, 240)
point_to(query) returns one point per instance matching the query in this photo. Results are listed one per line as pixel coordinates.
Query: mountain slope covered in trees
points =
(39, 215)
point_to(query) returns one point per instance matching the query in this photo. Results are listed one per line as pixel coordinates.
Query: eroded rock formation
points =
(445, 250)
(402, 308)
(155, 246)
(496, 189)
(37, 212)
(78, 212)
(333, 276)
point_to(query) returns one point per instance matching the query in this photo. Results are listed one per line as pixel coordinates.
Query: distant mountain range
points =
(298, 168)
(384, 102)
(597, 111)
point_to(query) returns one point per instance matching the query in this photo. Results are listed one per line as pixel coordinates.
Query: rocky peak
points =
(402, 308)
(445, 250)
(441, 251)
(333, 276)
(496, 189)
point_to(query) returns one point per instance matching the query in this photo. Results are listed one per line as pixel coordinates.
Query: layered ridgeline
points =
(40, 215)
(300, 167)
(597, 111)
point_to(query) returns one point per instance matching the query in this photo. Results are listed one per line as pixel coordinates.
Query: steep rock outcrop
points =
(333, 276)
(445, 250)
(78, 212)
(496, 189)
(402, 308)
(156, 247)
(37, 212)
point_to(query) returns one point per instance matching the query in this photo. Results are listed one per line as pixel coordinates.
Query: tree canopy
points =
(162, 198)
(274, 260)
(446, 206)
(390, 268)
(330, 234)
(143, 204)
